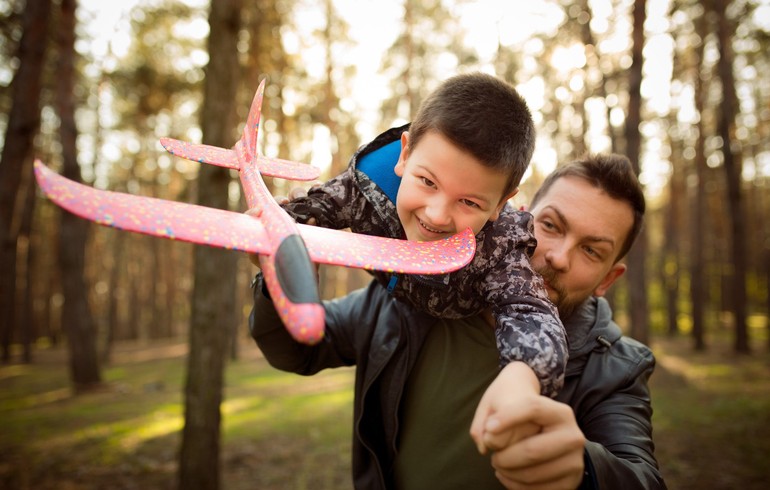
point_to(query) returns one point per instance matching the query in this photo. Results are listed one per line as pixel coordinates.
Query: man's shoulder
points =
(632, 350)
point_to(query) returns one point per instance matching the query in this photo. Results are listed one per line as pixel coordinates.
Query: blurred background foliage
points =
(680, 86)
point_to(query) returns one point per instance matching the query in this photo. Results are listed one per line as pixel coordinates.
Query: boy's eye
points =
(470, 203)
(427, 181)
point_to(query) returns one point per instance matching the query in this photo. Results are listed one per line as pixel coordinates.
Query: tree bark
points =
(215, 269)
(733, 168)
(77, 319)
(23, 124)
(637, 283)
(698, 218)
(26, 325)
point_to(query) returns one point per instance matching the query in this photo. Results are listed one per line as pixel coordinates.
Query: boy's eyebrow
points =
(590, 238)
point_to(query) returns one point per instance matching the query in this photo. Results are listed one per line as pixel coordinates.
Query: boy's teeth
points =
(429, 228)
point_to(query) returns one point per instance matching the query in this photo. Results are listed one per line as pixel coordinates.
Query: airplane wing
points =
(238, 231)
(273, 167)
(153, 216)
(339, 247)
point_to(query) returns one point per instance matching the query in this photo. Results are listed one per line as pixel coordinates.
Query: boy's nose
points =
(437, 212)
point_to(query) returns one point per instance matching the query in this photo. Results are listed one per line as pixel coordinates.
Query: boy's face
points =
(445, 190)
(579, 230)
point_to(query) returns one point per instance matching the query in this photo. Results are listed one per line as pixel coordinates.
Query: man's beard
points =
(563, 302)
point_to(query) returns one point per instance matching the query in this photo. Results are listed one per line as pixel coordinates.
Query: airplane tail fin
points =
(201, 153)
(245, 150)
(251, 129)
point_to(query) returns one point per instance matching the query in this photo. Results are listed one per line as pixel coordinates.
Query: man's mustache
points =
(552, 278)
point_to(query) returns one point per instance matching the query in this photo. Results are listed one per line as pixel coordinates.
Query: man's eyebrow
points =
(590, 238)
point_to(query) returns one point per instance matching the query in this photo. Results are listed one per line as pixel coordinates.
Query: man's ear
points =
(504, 200)
(614, 273)
(401, 164)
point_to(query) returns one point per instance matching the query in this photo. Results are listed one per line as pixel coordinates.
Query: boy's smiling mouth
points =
(429, 228)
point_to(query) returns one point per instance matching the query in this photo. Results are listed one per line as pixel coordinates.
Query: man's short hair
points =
(613, 174)
(483, 116)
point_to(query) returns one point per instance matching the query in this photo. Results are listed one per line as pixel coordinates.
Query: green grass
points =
(712, 417)
(281, 431)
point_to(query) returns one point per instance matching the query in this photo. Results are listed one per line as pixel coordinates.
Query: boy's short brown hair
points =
(483, 116)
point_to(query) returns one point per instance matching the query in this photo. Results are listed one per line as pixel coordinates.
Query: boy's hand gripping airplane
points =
(286, 249)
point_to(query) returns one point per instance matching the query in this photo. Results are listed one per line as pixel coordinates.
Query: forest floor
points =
(712, 422)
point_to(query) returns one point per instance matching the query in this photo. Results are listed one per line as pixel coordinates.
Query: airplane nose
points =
(295, 271)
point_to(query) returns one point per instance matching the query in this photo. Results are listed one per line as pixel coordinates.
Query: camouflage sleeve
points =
(330, 203)
(528, 327)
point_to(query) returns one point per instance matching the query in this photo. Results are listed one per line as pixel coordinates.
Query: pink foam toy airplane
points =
(286, 249)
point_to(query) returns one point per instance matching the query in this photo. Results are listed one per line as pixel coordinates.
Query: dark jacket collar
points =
(589, 328)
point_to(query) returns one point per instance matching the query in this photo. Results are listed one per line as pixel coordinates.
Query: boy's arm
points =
(516, 384)
(327, 205)
(527, 324)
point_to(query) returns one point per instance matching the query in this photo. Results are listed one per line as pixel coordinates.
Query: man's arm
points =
(535, 441)
(335, 349)
(609, 445)
(619, 434)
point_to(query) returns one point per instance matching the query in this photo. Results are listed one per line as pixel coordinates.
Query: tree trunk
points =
(637, 283)
(733, 168)
(670, 270)
(25, 324)
(23, 124)
(77, 319)
(214, 283)
(698, 291)
(113, 301)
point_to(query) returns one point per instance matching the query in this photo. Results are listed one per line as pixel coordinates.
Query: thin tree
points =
(77, 319)
(215, 270)
(698, 217)
(23, 124)
(25, 318)
(733, 168)
(637, 283)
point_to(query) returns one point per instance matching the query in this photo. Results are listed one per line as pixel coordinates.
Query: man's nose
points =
(557, 257)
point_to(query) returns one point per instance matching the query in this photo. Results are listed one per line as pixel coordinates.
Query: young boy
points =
(455, 167)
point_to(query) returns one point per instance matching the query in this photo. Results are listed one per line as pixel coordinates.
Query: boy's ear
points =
(401, 164)
(500, 205)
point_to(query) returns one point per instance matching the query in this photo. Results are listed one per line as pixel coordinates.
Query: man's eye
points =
(597, 254)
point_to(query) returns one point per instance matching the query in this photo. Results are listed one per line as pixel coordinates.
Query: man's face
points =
(445, 190)
(579, 231)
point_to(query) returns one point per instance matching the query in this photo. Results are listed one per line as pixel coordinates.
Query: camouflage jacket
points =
(500, 276)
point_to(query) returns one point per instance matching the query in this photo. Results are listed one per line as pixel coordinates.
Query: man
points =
(420, 379)
(587, 215)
